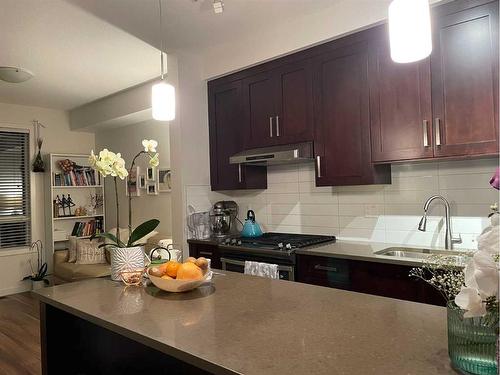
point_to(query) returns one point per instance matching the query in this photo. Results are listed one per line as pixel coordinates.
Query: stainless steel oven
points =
(286, 272)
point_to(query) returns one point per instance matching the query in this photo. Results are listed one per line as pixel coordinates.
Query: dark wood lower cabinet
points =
(208, 251)
(382, 279)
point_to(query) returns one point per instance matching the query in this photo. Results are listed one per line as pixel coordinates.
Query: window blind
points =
(15, 210)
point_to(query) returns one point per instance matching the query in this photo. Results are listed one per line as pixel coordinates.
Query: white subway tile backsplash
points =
(461, 167)
(464, 181)
(319, 198)
(282, 188)
(377, 213)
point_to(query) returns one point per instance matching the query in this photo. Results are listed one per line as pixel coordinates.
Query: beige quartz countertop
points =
(251, 325)
(360, 251)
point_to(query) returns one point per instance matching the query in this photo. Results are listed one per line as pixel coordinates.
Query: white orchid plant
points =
(475, 287)
(108, 163)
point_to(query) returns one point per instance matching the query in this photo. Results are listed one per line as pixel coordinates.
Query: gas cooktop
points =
(277, 241)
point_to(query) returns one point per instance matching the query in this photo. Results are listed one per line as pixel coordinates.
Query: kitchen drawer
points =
(324, 271)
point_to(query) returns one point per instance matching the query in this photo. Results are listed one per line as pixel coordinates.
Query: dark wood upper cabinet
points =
(226, 119)
(259, 105)
(342, 109)
(400, 99)
(464, 65)
(278, 106)
(294, 103)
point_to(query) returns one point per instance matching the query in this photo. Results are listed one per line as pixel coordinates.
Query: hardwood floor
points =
(19, 335)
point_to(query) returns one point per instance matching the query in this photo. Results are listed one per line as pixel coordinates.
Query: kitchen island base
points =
(75, 346)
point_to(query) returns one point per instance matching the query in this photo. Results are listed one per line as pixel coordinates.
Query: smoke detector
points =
(13, 74)
(218, 6)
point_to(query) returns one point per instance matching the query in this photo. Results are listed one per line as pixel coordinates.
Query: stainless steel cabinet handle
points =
(206, 253)
(271, 127)
(318, 165)
(325, 268)
(437, 126)
(277, 126)
(425, 125)
(239, 173)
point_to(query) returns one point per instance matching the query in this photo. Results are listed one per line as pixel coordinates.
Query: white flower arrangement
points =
(479, 294)
(108, 163)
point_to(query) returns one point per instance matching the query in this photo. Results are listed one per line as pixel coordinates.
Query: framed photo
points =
(131, 184)
(164, 180)
(142, 181)
(150, 174)
(151, 189)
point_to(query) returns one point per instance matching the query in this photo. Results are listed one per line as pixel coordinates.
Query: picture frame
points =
(142, 181)
(151, 189)
(164, 178)
(150, 174)
(131, 183)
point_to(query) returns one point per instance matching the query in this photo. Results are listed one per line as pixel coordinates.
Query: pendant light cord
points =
(161, 40)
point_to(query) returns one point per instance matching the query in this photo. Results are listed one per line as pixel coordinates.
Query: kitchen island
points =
(237, 325)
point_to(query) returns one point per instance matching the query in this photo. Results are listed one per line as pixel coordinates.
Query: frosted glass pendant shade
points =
(163, 101)
(410, 30)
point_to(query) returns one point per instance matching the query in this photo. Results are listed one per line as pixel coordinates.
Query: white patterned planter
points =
(125, 258)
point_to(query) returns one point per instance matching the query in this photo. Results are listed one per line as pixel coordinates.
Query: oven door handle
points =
(225, 261)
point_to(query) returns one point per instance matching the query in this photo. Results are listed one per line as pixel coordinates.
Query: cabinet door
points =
(464, 64)
(294, 102)
(260, 112)
(341, 104)
(400, 101)
(226, 139)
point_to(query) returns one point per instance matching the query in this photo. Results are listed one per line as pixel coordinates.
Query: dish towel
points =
(261, 269)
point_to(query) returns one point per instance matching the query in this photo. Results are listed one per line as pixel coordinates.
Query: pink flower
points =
(495, 180)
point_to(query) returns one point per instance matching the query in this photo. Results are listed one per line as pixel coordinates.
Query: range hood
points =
(284, 154)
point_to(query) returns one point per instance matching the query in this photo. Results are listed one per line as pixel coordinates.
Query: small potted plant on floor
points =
(38, 275)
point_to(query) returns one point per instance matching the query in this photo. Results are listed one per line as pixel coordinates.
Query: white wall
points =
(128, 141)
(57, 139)
(376, 213)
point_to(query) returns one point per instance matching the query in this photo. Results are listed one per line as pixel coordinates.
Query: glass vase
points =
(472, 343)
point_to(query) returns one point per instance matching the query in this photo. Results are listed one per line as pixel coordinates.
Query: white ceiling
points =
(191, 24)
(76, 57)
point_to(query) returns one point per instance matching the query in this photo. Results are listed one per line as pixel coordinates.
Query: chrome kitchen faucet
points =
(449, 239)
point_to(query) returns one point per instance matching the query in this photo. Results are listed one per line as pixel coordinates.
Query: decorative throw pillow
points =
(72, 249)
(88, 252)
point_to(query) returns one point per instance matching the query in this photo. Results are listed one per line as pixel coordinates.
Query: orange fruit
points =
(166, 277)
(191, 259)
(163, 268)
(189, 271)
(172, 266)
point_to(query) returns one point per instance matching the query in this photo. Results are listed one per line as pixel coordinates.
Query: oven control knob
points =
(280, 245)
(288, 246)
(227, 241)
(233, 241)
(239, 243)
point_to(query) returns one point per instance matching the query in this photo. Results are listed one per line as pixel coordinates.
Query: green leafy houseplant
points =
(40, 273)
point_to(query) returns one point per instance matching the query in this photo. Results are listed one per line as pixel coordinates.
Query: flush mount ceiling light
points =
(163, 93)
(410, 30)
(218, 6)
(14, 75)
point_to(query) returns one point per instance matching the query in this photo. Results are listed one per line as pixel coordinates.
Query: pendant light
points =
(163, 93)
(410, 30)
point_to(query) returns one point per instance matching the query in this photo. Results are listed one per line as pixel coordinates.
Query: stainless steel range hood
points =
(284, 154)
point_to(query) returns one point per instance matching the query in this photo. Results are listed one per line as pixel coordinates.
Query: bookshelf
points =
(80, 183)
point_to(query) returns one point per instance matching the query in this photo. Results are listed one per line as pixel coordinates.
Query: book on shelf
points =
(88, 228)
(79, 176)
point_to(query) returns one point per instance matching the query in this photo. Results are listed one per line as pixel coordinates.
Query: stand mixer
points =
(223, 218)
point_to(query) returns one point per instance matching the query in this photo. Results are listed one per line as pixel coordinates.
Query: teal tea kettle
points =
(250, 227)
